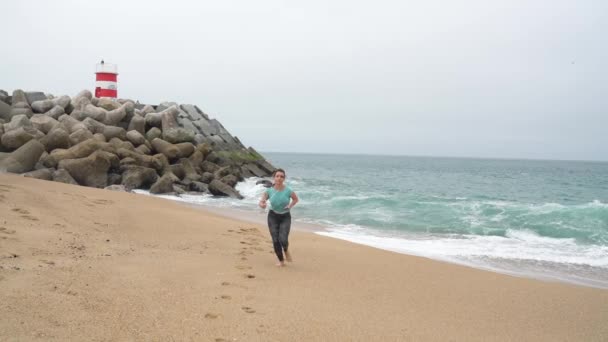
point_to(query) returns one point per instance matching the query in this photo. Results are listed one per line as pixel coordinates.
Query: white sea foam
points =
(515, 253)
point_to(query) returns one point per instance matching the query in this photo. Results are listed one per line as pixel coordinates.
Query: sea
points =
(531, 218)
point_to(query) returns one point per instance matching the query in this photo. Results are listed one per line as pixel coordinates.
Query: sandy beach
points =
(82, 264)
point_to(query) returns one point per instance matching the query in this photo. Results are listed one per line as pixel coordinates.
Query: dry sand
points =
(84, 264)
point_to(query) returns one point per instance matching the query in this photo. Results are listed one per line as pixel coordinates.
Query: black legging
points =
(279, 226)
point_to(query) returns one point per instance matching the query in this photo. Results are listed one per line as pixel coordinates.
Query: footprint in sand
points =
(6, 188)
(6, 230)
(249, 276)
(226, 297)
(225, 283)
(242, 267)
(210, 315)
(20, 211)
(248, 309)
(102, 201)
(219, 339)
(30, 217)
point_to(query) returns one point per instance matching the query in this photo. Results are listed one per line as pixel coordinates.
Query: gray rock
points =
(136, 138)
(95, 113)
(43, 122)
(136, 177)
(23, 159)
(45, 174)
(55, 112)
(218, 188)
(199, 187)
(207, 177)
(4, 96)
(79, 136)
(169, 118)
(63, 176)
(178, 135)
(108, 104)
(169, 150)
(115, 116)
(62, 101)
(56, 138)
(114, 132)
(154, 133)
(93, 125)
(207, 166)
(89, 171)
(34, 96)
(19, 97)
(143, 149)
(16, 138)
(81, 150)
(18, 121)
(70, 123)
(5, 111)
(42, 106)
(81, 100)
(164, 184)
(231, 180)
(147, 109)
(194, 112)
(118, 144)
(153, 120)
(265, 166)
(99, 137)
(255, 170)
(189, 170)
(138, 124)
(178, 170)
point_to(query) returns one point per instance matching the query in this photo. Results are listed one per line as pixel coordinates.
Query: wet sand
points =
(85, 264)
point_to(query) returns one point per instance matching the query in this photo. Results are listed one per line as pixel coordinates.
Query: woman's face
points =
(279, 178)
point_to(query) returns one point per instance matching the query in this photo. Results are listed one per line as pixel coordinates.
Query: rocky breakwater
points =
(167, 148)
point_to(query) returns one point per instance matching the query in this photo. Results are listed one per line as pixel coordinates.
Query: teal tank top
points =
(279, 199)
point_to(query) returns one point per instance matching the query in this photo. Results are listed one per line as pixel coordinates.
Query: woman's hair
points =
(279, 170)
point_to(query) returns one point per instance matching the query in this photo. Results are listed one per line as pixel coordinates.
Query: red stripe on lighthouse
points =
(105, 92)
(104, 76)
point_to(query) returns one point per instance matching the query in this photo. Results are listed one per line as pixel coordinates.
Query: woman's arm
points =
(294, 200)
(263, 200)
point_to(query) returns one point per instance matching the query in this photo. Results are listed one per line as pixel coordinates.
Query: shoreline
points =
(259, 218)
(81, 263)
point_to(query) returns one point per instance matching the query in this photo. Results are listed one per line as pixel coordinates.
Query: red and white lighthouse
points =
(106, 84)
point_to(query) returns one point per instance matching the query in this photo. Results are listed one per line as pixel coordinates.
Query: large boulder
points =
(23, 159)
(71, 124)
(231, 180)
(55, 112)
(42, 106)
(189, 170)
(89, 171)
(217, 188)
(164, 184)
(255, 170)
(79, 136)
(58, 137)
(153, 120)
(136, 177)
(82, 150)
(108, 104)
(5, 111)
(207, 166)
(63, 176)
(34, 96)
(153, 133)
(178, 135)
(136, 138)
(16, 138)
(138, 124)
(43, 122)
(169, 150)
(18, 121)
(113, 117)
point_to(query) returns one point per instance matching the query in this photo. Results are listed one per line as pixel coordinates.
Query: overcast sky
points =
(506, 79)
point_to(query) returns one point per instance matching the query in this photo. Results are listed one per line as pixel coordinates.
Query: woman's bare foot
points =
(288, 256)
(280, 264)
